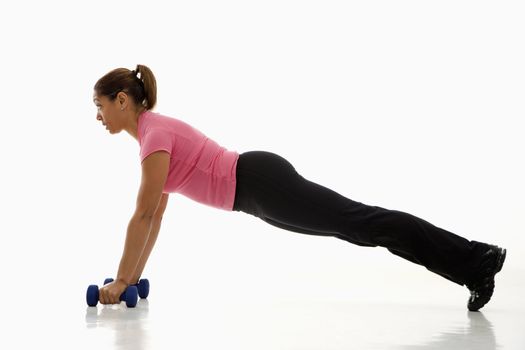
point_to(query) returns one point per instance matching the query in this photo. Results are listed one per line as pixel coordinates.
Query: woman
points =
(178, 158)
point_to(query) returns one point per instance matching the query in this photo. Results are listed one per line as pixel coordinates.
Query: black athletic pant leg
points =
(270, 188)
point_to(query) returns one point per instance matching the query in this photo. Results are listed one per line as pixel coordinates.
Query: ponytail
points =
(150, 85)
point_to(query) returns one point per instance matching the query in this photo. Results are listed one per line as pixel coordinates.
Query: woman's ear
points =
(122, 100)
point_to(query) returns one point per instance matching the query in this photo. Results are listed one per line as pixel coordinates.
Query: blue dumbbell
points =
(142, 286)
(130, 296)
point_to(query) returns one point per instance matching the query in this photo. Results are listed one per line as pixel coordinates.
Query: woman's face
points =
(108, 112)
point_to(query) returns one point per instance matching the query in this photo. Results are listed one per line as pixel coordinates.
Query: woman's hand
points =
(110, 293)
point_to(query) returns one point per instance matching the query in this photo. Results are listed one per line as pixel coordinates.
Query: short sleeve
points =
(155, 139)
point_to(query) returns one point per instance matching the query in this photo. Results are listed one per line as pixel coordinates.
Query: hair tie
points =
(134, 73)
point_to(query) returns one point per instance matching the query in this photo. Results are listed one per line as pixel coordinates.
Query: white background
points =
(408, 105)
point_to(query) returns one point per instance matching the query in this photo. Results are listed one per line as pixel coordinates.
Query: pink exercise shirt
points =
(200, 168)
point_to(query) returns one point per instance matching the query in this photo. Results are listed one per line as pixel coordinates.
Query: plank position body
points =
(177, 157)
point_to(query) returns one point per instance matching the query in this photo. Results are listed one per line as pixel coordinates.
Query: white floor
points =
(419, 312)
(303, 325)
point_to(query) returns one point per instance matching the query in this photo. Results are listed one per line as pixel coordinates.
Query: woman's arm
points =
(153, 234)
(154, 174)
(138, 232)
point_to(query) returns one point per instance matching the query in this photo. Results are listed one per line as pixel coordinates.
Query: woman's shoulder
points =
(174, 125)
(159, 119)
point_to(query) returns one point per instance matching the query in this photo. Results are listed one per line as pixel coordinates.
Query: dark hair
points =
(142, 90)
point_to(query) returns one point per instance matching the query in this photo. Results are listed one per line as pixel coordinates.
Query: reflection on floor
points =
(302, 325)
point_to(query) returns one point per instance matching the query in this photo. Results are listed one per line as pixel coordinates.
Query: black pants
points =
(270, 188)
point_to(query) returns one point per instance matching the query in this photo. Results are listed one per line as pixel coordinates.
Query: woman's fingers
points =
(102, 295)
(110, 293)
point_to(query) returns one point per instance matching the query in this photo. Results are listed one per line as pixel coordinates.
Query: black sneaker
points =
(481, 290)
